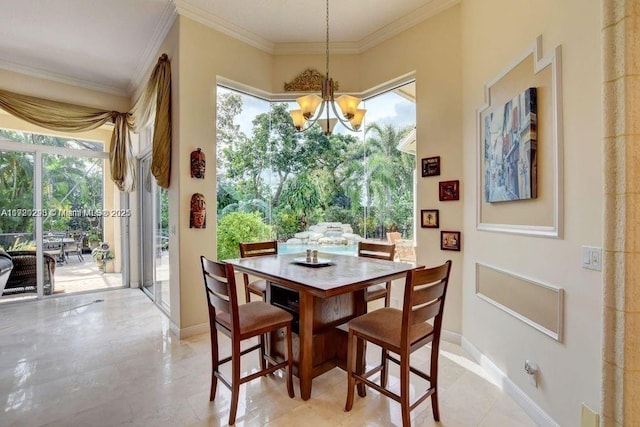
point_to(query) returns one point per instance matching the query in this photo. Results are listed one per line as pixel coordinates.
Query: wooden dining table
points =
(321, 298)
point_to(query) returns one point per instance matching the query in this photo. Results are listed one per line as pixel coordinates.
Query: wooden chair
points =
(240, 322)
(248, 250)
(378, 251)
(74, 247)
(402, 332)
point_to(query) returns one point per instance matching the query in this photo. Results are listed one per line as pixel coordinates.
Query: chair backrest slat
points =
(248, 250)
(218, 292)
(427, 293)
(376, 250)
(426, 312)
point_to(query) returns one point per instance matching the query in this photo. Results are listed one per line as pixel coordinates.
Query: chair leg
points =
(214, 364)
(434, 382)
(247, 294)
(263, 361)
(404, 390)
(235, 382)
(351, 367)
(289, 363)
(384, 374)
(387, 296)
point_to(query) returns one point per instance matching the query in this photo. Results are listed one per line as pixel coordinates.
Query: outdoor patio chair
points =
(74, 248)
(23, 276)
(55, 249)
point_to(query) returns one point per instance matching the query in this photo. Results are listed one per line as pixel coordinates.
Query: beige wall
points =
(204, 55)
(494, 33)
(431, 51)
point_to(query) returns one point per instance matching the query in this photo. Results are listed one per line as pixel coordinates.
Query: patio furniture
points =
(54, 248)
(6, 265)
(23, 275)
(73, 247)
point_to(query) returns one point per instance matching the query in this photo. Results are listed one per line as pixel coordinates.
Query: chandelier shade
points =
(344, 108)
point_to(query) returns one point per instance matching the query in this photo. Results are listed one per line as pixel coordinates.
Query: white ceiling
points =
(108, 45)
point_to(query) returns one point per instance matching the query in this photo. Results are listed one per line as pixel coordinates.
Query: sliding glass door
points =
(154, 236)
(60, 216)
(17, 222)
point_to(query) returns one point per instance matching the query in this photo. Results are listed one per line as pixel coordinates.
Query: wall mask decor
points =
(198, 218)
(198, 164)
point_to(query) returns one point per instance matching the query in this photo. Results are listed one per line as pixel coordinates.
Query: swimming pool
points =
(294, 248)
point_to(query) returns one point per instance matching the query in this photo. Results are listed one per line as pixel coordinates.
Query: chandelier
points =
(346, 112)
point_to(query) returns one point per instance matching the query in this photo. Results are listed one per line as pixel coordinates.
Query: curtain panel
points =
(153, 104)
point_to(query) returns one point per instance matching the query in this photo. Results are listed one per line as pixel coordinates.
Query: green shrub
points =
(236, 227)
(286, 224)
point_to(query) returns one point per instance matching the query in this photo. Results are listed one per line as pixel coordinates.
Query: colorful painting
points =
(510, 145)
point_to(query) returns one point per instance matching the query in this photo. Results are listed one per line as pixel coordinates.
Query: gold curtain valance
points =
(64, 117)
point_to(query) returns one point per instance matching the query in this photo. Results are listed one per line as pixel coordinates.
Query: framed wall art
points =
(510, 146)
(519, 147)
(450, 240)
(431, 166)
(430, 218)
(449, 190)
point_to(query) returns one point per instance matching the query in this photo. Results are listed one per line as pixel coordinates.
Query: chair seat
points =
(258, 286)
(385, 325)
(255, 316)
(376, 291)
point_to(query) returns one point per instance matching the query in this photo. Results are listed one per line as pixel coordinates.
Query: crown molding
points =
(168, 17)
(59, 78)
(210, 20)
(341, 48)
(398, 26)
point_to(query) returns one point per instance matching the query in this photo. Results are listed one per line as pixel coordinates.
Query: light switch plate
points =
(592, 258)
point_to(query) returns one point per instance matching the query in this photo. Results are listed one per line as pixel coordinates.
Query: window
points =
(305, 188)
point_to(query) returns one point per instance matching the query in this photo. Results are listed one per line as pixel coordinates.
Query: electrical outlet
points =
(532, 370)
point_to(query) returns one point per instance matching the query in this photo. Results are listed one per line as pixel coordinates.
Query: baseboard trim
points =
(452, 337)
(190, 331)
(537, 414)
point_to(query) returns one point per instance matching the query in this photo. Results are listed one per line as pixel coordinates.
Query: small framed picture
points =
(430, 218)
(431, 166)
(450, 240)
(449, 190)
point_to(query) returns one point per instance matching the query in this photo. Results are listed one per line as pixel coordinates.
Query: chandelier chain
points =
(344, 108)
(327, 47)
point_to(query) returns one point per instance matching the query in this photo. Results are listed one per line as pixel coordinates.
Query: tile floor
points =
(73, 361)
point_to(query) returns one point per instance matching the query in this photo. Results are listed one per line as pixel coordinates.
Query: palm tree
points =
(388, 170)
